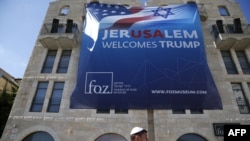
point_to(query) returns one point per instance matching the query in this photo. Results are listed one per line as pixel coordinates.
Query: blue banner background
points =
(153, 76)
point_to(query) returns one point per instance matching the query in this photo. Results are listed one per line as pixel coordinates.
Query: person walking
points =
(139, 134)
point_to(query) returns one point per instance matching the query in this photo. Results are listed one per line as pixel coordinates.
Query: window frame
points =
(243, 61)
(55, 100)
(39, 134)
(64, 61)
(196, 111)
(121, 111)
(239, 101)
(178, 111)
(229, 62)
(49, 61)
(223, 10)
(102, 111)
(191, 137)
(38, 101)
(64, 11)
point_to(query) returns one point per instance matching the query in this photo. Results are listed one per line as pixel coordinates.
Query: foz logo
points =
(99, 83)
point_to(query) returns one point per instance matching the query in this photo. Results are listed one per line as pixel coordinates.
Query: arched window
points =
(97, 1)
(64, 11)
(39, 136)
(191, 137)
(163, 5)
(223, 11)
(191, 2)
(110, 137)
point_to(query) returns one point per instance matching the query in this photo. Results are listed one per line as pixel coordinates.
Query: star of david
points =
(160, 9)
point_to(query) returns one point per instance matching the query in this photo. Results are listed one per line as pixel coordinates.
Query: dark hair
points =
(132, 137)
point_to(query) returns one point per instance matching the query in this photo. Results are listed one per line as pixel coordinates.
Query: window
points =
(38, 100)
(191, 137)
(230, 28)
(49, 61)
(196, 111)
(74, 28)
(39, 136)
(64, 11)
(191, 2)
(121, 111)
(94, 1)
(242, 102)
(223, 11)
(243, 62)
(64, 61)
(220, 26)
(179, 111)
(111, 137)
(54, 27)
(237, 26)
(56, 96)
(102, 111)
(228, 61)
(60, 28)
(69, 26)
(215, 31)
(248, 84)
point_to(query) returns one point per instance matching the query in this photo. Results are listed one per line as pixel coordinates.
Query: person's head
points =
(138, 134)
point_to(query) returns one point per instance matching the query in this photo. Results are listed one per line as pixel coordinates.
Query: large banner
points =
(143, 58)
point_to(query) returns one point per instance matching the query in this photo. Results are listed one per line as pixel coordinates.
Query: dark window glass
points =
(39, 136)
(215, 31)
(191, 137)
(74, 28)
(61, 28)
(179, 111)
(54, 28)
(223, 11)
(64, 62)
(64, 11)
(69, 26)
(196, 111)
(111, 137)
(241, 100)
(243, 62)
(191, 2)
(49, 61)
(37, 103)
(228, 61)
(220, 26)
(56, 96)
(230, 28)
(248, 84)
(121, 111)
(103, 111)
(237, 26)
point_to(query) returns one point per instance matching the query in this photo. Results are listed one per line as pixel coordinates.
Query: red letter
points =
(158, 33)
(136, 36)
(147, 34)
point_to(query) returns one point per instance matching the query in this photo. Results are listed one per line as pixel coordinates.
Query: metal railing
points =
(229, 29)
(61, 29)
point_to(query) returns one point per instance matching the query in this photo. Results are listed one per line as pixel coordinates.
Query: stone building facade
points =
(52, 70)
(8, 83)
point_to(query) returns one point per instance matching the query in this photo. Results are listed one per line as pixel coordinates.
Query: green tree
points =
(6, 102)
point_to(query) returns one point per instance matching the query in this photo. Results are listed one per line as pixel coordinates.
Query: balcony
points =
(231, 36)
(60, 36)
